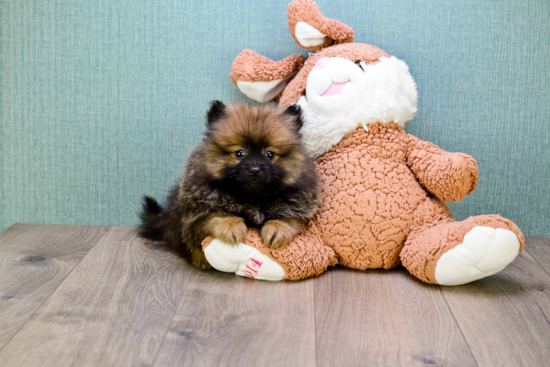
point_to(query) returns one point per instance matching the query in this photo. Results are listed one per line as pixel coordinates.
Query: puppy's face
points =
(254, 148)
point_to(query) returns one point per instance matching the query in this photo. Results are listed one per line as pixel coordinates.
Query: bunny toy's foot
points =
(243, 260)
(483, 252)
(304, 256)
(456, 253)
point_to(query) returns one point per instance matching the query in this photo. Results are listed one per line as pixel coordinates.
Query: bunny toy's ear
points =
(263, 79)
(312, 30)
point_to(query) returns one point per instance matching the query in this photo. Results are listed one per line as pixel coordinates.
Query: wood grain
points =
(34, 260)
(225, 320)
(384, 318)
(539, 249)
(505, 318)
(79, 295)
(113, 309)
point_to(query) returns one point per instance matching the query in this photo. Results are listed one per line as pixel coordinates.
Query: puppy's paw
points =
(199, 260)
(231, 230)
(276, 233)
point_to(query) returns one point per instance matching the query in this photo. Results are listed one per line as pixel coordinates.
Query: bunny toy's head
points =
(342, 86)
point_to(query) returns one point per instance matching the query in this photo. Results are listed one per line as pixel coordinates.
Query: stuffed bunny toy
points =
(383, 191)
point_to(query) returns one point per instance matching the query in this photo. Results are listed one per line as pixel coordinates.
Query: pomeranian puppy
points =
(251, 169)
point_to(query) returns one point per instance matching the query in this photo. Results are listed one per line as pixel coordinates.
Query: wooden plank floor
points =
(101, 296)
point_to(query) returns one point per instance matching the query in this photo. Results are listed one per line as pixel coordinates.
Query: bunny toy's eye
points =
(359, 64)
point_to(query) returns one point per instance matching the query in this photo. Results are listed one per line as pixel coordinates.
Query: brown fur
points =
(199, 260)
(220, 196)
(279, 232)
(248, 122)
(228, 228)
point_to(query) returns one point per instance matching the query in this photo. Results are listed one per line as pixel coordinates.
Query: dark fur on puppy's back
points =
(251, 164)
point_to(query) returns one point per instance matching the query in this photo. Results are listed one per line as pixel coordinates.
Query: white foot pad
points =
(242, 260)
(484, 251)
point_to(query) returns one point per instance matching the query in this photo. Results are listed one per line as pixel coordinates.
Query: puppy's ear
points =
(296, 112)
(215, 113)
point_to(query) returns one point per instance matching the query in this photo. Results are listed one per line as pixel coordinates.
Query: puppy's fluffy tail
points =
(152, 225)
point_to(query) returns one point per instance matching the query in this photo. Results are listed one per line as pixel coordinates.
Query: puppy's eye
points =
(359, 64)
(269, 154)
(240, 153)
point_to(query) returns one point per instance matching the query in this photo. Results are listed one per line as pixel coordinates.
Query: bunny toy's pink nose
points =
(322, 62)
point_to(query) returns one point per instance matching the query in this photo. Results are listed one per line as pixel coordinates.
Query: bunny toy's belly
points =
(368, 202)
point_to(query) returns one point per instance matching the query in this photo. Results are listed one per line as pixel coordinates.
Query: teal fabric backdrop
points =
(101, 100)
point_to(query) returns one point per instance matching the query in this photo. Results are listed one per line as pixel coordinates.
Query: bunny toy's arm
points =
(449, 176)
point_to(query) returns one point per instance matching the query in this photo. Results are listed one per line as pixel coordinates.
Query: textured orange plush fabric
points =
(369, 196)
(449, 176)
(374, 200)
(308, 12)
(250, 66)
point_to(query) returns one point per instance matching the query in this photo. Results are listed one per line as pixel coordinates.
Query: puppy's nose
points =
(254, 170)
